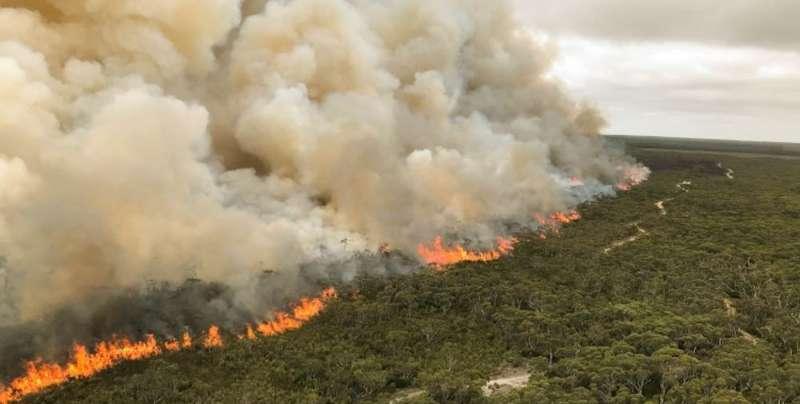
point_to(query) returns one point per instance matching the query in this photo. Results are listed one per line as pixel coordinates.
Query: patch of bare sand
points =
(405, 395)
(510, 380)
(730, 311)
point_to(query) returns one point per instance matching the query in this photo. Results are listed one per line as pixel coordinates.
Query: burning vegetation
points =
(40, 375)
(554, 222)
(304, 310)
(442, 256)
(271, 137)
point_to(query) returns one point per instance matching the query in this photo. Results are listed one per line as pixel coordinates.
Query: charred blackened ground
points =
(678, 161)
(703, 308)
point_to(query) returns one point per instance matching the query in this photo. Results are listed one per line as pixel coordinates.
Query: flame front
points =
(441, 256)
(213, 339)
(305, 310)
(633, 176)
(175, 345)
(40, 375)
(554, 222)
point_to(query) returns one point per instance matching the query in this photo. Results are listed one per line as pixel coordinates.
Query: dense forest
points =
(701, 305)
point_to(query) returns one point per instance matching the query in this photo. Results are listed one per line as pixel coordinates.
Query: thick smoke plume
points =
(160, 140)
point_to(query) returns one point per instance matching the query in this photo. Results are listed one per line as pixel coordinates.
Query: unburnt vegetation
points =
(704, 308)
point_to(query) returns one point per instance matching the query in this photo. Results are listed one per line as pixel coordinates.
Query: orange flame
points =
(304, 311)
(40, 375)
(213, 339)
(632, 178)
(186, 341)
(249, 333)
(554, 222)
(173, 345)
(441, 256)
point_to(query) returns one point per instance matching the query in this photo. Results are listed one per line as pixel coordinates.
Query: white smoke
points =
(140, 138)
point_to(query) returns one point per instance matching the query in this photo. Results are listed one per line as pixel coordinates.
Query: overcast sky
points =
(694, 68)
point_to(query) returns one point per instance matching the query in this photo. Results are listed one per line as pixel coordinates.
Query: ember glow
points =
(40, 375)
(441, 256)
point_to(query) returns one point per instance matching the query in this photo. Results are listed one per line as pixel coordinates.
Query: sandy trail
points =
(617, 244)
(683, 186)
(728, 172)
(511, 380)
(660, 206)
(407, 395)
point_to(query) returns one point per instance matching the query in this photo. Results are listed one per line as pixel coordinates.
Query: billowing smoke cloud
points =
(159, 140)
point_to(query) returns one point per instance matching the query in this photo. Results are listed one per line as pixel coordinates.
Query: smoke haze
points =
(160, 140)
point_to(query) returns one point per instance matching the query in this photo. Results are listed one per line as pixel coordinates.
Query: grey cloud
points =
(758, 23)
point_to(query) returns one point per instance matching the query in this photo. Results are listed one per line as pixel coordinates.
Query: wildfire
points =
(305, 310)
(576, 182)
(175, 345)
(40, 375)
(633, 177)
(213, 339)
(554, 222)
(441, 256)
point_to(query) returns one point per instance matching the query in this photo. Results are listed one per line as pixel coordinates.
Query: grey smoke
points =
(160, 140)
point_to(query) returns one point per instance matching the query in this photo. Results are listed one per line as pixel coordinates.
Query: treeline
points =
(706, 145)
